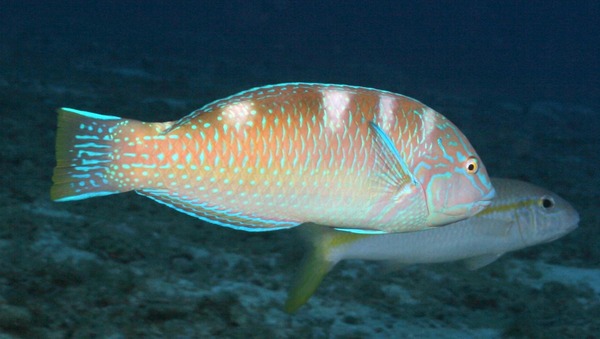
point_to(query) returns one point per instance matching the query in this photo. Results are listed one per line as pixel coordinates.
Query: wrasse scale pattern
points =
(278, 156)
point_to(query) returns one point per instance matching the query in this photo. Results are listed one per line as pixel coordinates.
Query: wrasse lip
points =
(484, 203)
(480, 206)
(473, 209)
(454, 211)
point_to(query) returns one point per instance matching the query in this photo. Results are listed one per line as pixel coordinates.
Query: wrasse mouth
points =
(464, 211)
(480, 206)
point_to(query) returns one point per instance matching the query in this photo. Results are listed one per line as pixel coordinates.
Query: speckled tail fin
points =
(84, 144)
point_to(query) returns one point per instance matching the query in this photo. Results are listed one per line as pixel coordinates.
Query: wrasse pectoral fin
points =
(392, 169)
(214, 214)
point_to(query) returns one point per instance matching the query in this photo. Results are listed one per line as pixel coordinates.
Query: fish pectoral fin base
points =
(392, 170)
(481, 261)
(212, 214)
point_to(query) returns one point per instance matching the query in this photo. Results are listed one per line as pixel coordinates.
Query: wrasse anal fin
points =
(235, 220)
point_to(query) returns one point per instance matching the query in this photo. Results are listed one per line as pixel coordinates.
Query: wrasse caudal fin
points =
(84, 145)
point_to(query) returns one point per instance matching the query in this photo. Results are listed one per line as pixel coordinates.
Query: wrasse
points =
(278, 156)
(521, 215)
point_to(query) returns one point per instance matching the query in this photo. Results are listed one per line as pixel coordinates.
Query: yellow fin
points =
(308, 278)
(317, 263)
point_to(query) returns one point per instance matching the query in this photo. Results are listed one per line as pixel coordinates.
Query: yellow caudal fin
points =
(308, 278)
(317, 263)
(84, 145)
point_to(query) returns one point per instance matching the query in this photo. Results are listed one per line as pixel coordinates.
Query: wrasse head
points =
(454, 179)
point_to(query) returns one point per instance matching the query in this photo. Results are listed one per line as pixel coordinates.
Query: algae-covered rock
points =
(14, 317)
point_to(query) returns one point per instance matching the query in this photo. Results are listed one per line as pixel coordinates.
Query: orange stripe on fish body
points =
(277, 156)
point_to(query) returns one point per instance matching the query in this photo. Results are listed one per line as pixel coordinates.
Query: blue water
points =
(520, 78)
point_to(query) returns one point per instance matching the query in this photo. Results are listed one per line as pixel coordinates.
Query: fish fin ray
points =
(393, 172)
(84, 146)
(214, 214)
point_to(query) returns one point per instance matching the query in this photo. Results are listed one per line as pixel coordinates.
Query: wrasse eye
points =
(546, 202)
(472, 165)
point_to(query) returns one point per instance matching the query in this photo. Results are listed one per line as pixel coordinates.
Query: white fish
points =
(521, 215)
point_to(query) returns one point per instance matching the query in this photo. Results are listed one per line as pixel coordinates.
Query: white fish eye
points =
(472, 165)
(546, 202)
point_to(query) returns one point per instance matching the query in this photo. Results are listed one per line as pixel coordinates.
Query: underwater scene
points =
(304, 169)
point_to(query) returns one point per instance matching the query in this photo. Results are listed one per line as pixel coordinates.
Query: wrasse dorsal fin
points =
(168, 127)
(165, 127)
(391, 167)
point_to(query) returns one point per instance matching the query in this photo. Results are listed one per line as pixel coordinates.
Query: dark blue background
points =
(514, 49)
